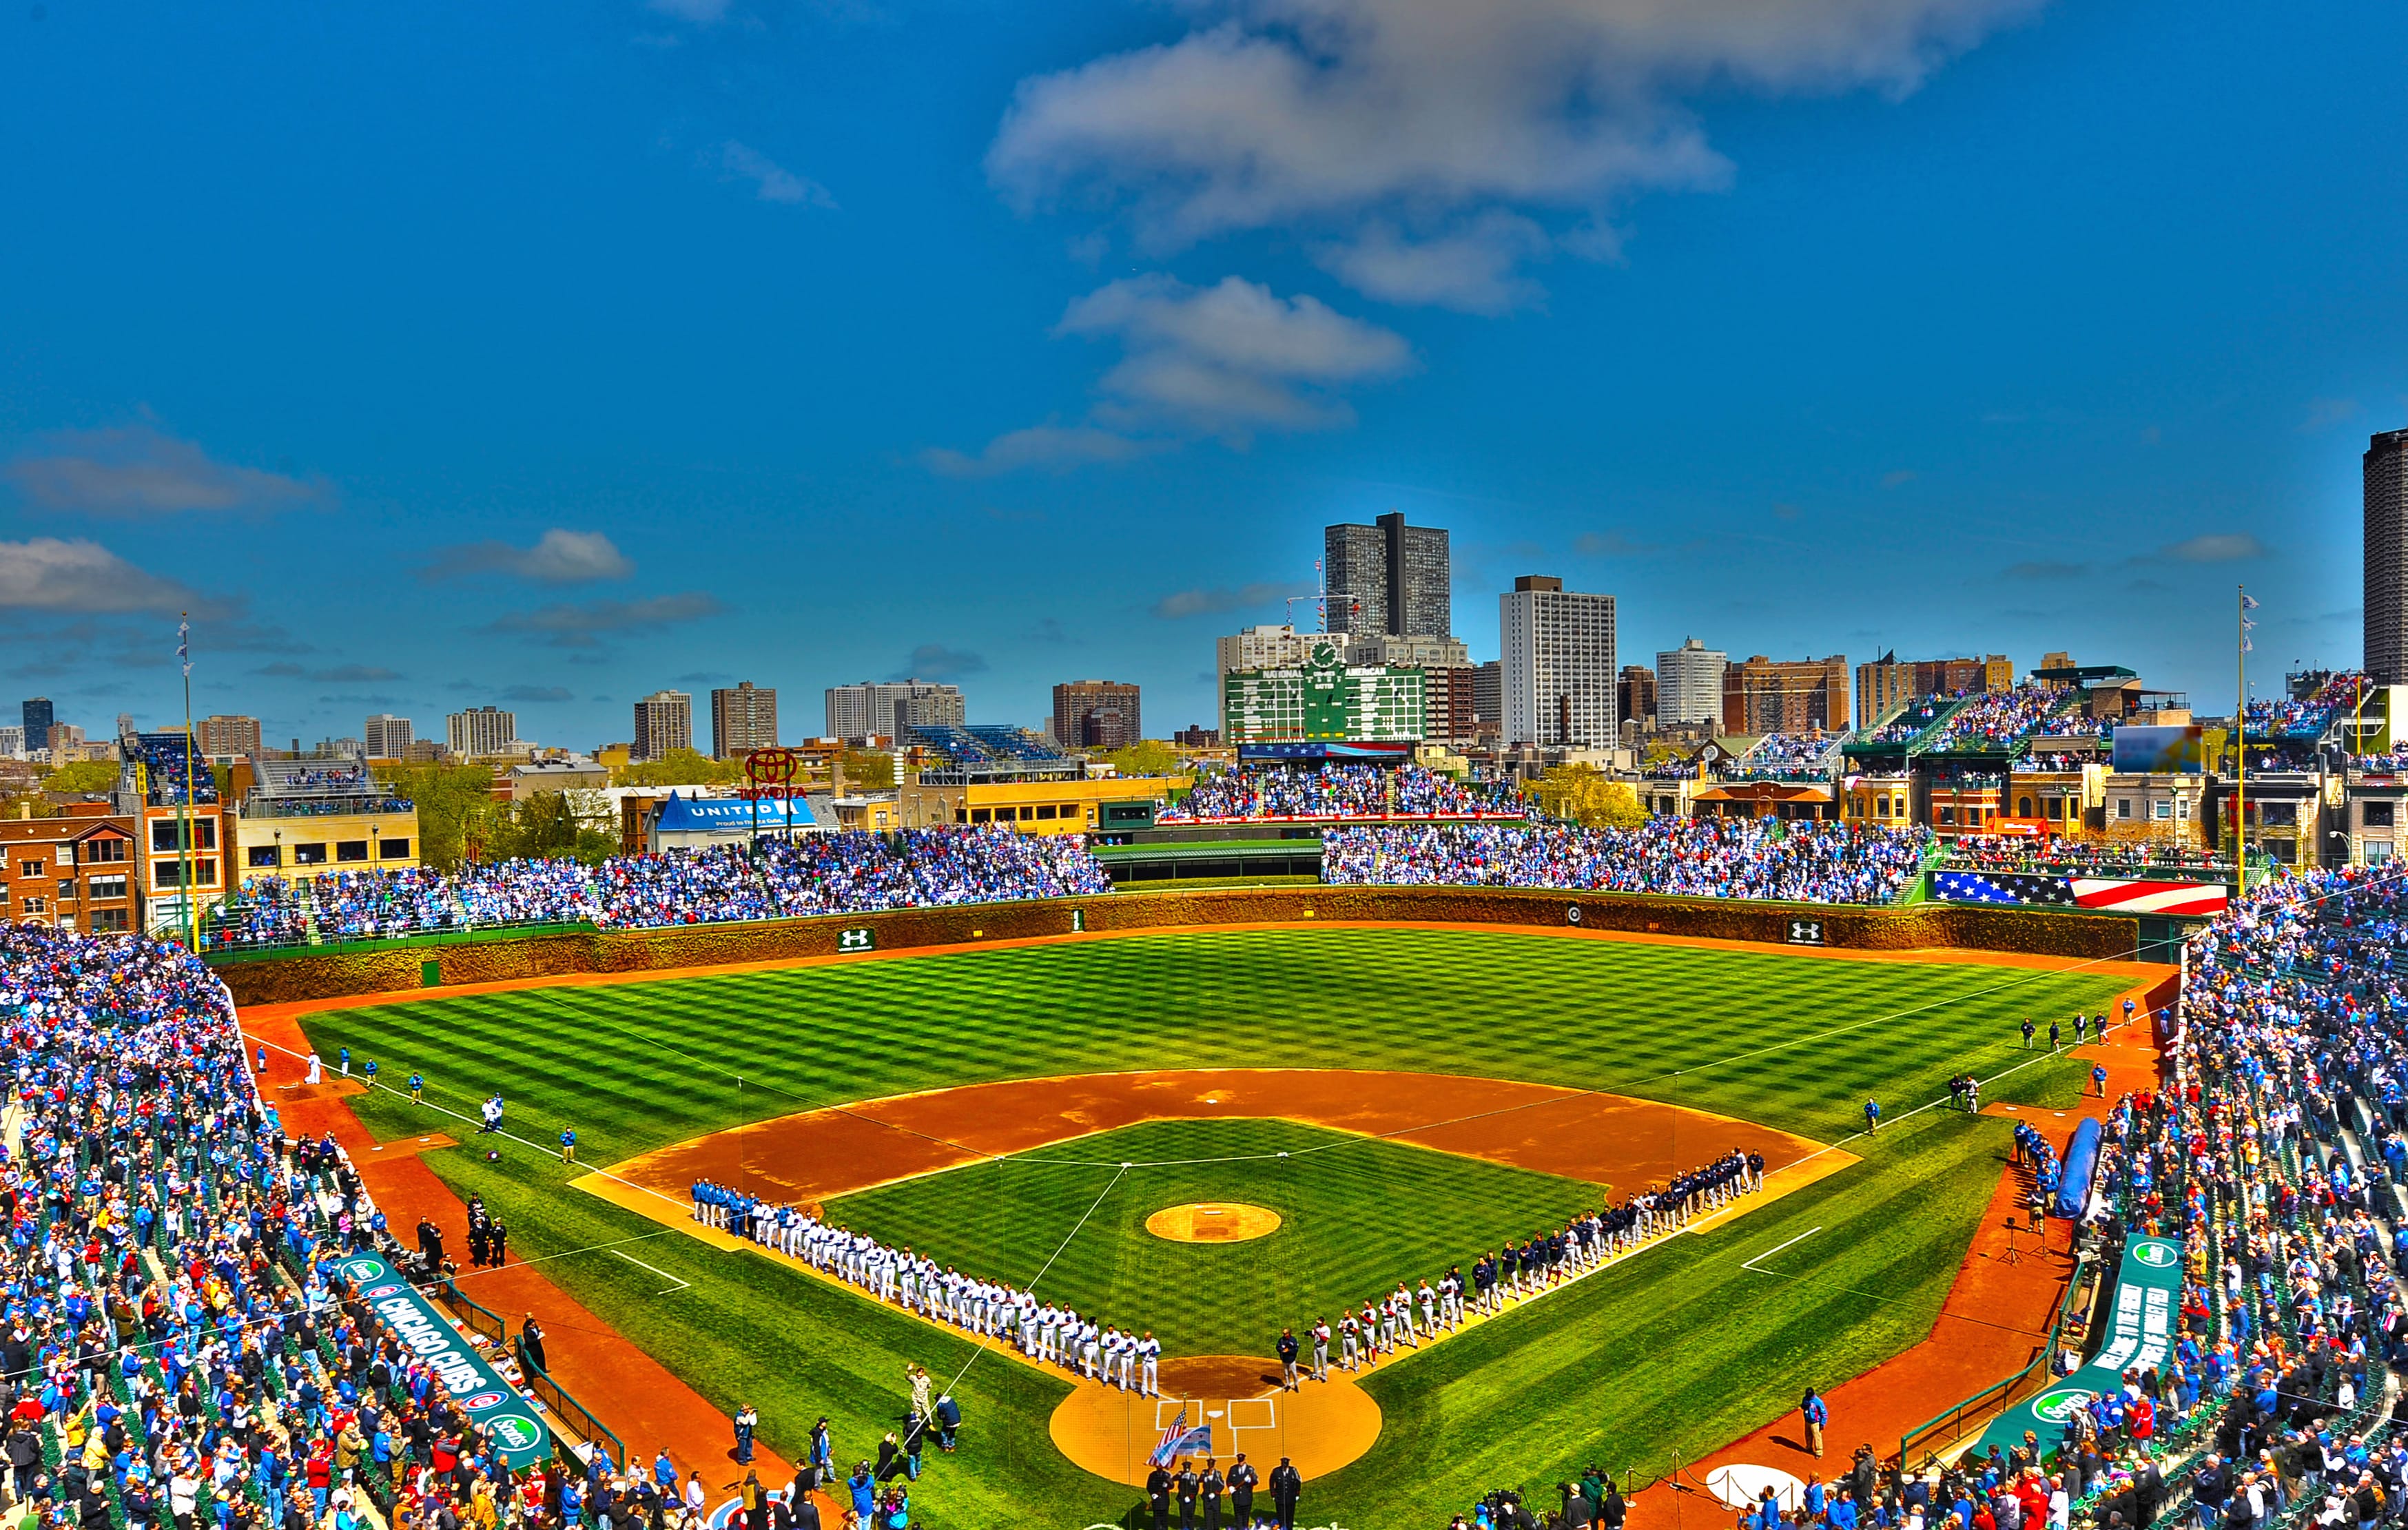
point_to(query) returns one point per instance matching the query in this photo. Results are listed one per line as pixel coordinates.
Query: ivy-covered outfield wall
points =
(497, 956)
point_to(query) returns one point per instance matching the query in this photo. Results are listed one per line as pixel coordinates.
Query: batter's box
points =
(1254, 1413)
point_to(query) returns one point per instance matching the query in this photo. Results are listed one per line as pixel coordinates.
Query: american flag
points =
(1179, 1440)
(2102, 894)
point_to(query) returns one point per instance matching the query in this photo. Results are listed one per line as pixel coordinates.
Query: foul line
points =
(682, 1283)
(1769, 1253)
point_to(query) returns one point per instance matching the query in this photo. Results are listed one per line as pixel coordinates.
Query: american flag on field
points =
(2102, 895)
(1179, 1440)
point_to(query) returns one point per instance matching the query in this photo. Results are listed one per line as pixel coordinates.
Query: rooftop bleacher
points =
(1788, 757)
(163, 760)
(987, 751)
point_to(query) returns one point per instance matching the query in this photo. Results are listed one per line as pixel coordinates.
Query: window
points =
(2377, 852)
(66, 890)
(102, 852)
(2377, 815)
(110, 888)
(35, 905)
(2161, 808)
(2182, 807)
(961, 815)
(2123, 807)
(982, 815)
(393, 850)
(109, 920)
(2023, 808)
(1026, 812)
(2280, 815)
(1947, 815)
(29, 868)
(308, 855)
(350, 850)
(2285, 850)
(269, 856)
(165, 840)
(163, 835)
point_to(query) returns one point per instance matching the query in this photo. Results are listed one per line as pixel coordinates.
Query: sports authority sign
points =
(491, 1403)
(2140, 1335)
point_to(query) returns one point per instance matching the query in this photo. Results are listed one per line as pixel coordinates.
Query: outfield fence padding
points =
(292, 975)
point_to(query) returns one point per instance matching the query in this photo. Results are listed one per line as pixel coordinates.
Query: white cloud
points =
(699, 12)
(1053, 448)
(45, 574)
(1218, 600)
(2216, 547)
(771, 181)
(1329, 115)
(583, 626)
(134, 470)
(558, 557)
(1230, 359)
(1474, 267)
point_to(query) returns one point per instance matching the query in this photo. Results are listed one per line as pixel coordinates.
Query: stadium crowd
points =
(1337, 790)
(1692, 857)
(1980, 853)
(178, 1345)
(1995, 720)
(1918, 715)
(837, 873)
(1786, 756)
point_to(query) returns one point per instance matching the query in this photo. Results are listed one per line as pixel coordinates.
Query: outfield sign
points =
(2140, 1336)
(491, 1403)
(864, 939)
(1805, 932)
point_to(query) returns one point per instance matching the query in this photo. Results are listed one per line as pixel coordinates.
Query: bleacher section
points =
(316, 788)
(1788, 757)
(987, 752)
(161, 759)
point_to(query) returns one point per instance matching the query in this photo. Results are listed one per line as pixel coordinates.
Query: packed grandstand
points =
(1694, 857)
(151, 1191)
(1338, 791)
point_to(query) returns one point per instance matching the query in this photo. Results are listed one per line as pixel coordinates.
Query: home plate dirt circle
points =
(1212, 1221)
(1321, 1428)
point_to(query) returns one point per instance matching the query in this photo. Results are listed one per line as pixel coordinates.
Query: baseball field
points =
(1677, 1349)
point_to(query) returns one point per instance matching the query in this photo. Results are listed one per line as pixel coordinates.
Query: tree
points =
(455, 803)
(1147, 757)
(544, 827)
(1581, 794)
(680, 767)
(83, 776)
(866, 769)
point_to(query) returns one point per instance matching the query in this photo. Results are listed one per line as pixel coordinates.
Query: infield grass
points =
(1679, 1349)
(1352, 1222)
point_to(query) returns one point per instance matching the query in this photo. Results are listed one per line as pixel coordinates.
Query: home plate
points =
(1742, 1486)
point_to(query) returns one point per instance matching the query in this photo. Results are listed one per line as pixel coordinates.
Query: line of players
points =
(1404, 1318)
(1043, 1330)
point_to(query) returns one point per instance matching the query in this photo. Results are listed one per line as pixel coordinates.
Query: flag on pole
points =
(2249, 601)
(184, 646)
(1179, 1439)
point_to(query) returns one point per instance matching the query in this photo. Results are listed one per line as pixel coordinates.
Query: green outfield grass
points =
(1352, 1222)
(1679, 1349)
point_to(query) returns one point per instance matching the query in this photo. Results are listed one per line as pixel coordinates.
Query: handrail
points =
(1955, 1414)
(479, 1319)
(574, 1414)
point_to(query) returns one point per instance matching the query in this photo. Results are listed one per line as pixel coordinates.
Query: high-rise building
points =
(743, 719)
(12, 742)
(883, 709)
(220, 737)
(2387, 559)
(664, 723)
(1398, 651)
(1388, 577)
(1488, 695)
(1557, 657)
(1689, 683)
(1634, 694)
(1273, 647)
(1453, 705)
(389, 737)
(1786, 695)
(482, 732)
(38, 718)
(1096, 714)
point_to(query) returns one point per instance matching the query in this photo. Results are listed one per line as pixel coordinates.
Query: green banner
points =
(2140, 1333)
(491, 1403)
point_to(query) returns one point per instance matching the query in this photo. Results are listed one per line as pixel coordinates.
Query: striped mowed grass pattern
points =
(1796, 1043)
(1680, 1348)
(1357, 1215)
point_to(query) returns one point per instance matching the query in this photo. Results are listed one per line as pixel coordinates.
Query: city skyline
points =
(1897, 297)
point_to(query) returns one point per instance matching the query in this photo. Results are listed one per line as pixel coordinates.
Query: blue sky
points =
(547, 355)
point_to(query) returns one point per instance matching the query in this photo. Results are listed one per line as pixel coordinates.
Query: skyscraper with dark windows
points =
(2387, 559)
(1389, 578)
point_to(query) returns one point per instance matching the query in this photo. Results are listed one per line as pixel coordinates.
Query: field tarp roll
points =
(2140, 1335)
(2081, 1162)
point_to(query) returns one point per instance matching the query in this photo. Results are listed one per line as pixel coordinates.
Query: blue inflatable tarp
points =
(2081, 1163)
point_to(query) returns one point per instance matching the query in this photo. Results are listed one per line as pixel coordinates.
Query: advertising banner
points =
(2140, 1335)
(2157, 752)
(491, 1403)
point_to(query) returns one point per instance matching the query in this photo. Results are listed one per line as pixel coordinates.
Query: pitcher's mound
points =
(1212, 1221)
(1321, 1428)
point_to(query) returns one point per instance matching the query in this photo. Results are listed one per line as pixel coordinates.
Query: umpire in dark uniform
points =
(1287, 1486)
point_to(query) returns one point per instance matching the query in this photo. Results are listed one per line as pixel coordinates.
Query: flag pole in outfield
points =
(185, 802)
(2241, 736)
